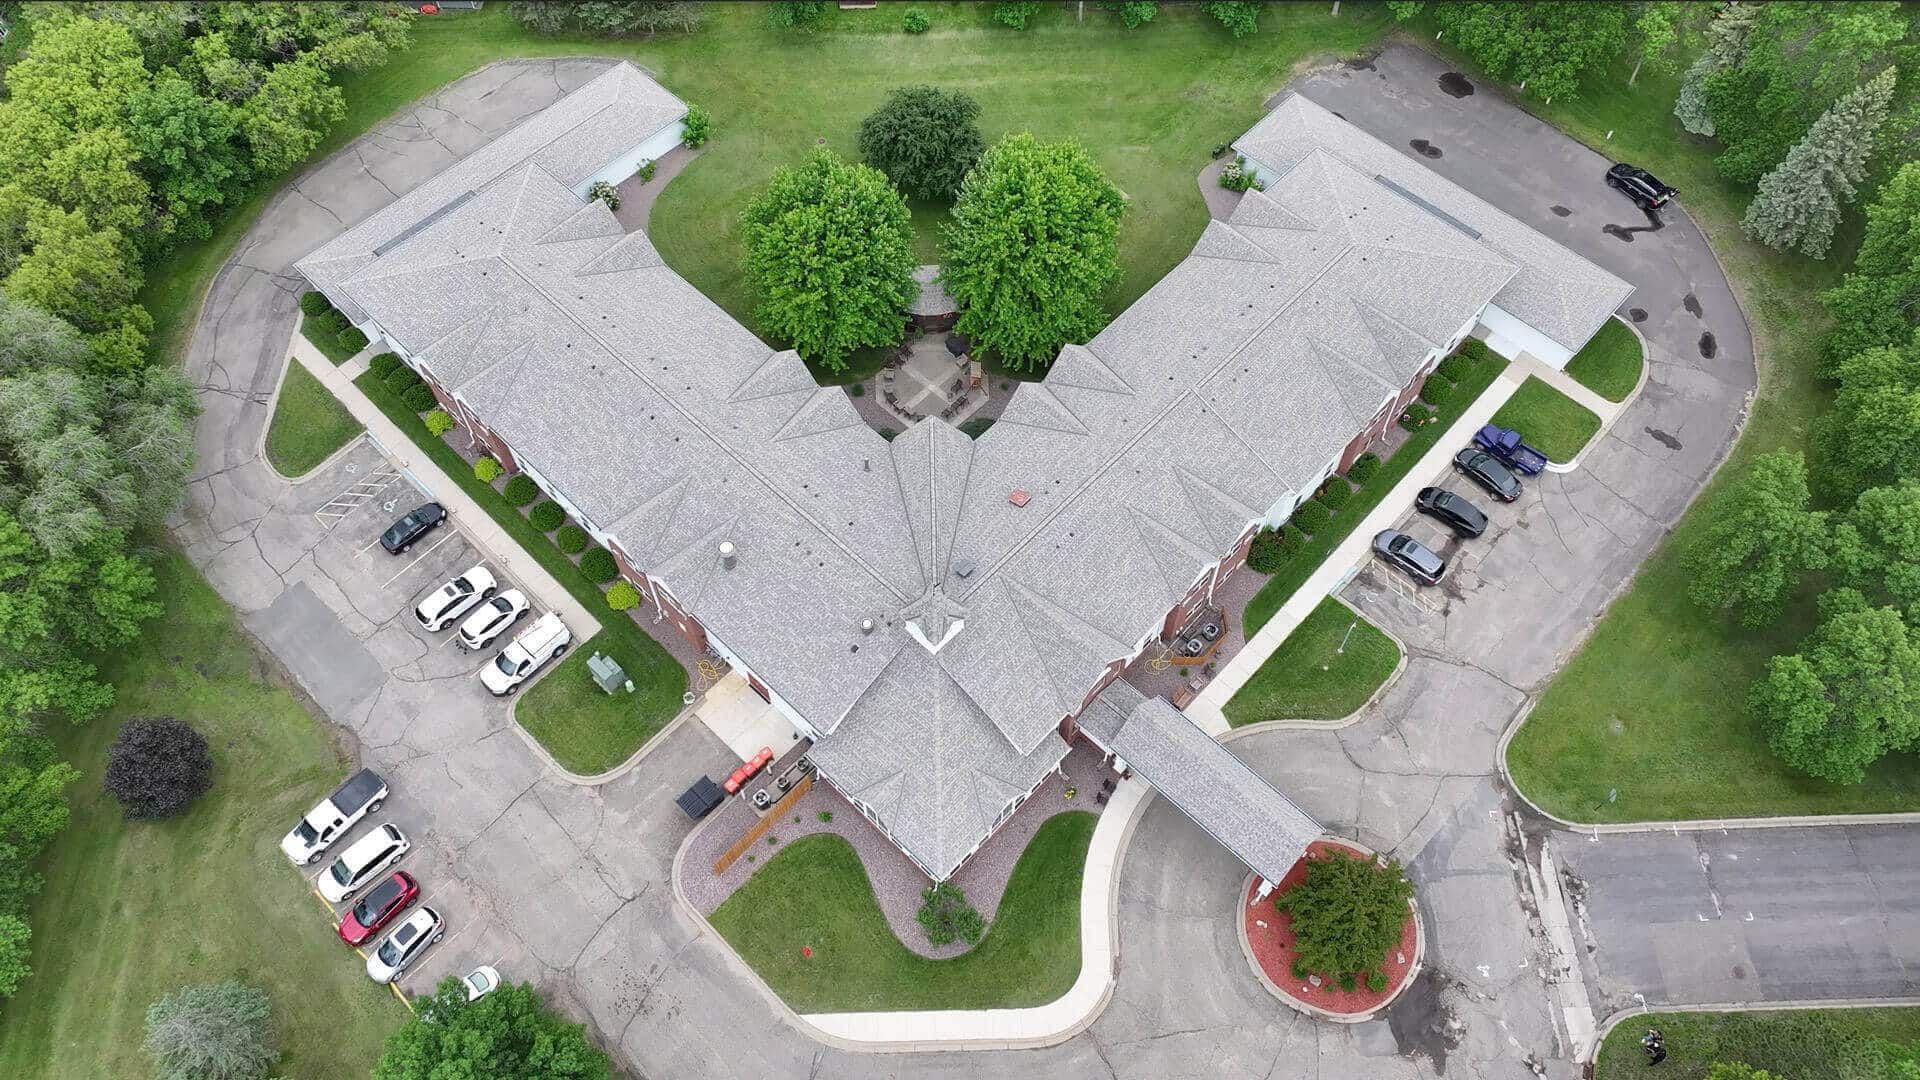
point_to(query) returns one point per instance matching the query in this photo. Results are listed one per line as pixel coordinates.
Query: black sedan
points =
(1453, 511)
(420, 521)
(1413, 558)
(1489, 472)
(1644, 188)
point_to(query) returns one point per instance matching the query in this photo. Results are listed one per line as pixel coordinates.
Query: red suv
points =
(378, 907)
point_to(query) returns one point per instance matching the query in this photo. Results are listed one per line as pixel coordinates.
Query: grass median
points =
(133, 910)
(815, 893)
(1791, 1044)
(308, 424)
(1610, 364)
(1548, 420)
(588, 734)
(1325, 670)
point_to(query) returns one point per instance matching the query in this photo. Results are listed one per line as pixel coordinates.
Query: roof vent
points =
(963, 568)
(727, 558)
(1019, 497)
(866, 627)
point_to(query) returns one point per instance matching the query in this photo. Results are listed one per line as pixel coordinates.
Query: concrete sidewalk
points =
(1207, 709)
(501, 550)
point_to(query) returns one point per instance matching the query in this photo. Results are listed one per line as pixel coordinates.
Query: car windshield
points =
(481, 984)
(502, 605)
(340, 872)
(388, 954)
(307, 833)
(506, 664)
(459, 587)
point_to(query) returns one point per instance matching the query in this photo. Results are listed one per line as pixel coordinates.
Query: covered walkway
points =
(1247, 815)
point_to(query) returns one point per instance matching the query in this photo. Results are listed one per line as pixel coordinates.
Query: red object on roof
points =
(1019, 497)
(429, 9)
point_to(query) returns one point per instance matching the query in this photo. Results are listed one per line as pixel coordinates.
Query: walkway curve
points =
(1414, 776)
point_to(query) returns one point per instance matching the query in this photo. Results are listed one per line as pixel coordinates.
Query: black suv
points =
(422, 520)
(1644, 188)
(1453, 511)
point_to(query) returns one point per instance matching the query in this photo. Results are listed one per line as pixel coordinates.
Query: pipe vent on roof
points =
(866, 626)
(727, 554)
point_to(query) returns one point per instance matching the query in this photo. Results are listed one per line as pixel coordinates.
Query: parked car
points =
(480, 982)
(363, 861)
(378, 907)
(405, 944)
(454, 599)
(1451, 510)
(419, 521)
(1412, 557)
(545, 640)
(360, 795)
(492, 618)
(1489, 472)
(1644, 188)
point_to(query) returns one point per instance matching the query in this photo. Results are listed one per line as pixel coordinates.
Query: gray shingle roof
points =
(1233, 382)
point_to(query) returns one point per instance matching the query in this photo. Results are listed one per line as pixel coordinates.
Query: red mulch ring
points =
(1272, 946)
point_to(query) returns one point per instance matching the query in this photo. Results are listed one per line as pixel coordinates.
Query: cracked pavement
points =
(569, 886)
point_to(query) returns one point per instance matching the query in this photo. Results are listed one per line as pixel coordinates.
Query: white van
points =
(363, 861)
(545, 640)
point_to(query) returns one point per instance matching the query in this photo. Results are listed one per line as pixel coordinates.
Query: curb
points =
(1105, 968)
(1785, 821)
(1619, 408)
(1308, 1008)
(1613, 1020)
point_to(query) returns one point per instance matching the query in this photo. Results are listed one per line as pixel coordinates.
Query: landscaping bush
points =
(1291, 541)
(1239, 176)
(623, 596)
(1376, 981)
(1364, 468)
(439, 422)
(1335, 492)
(604, 192)
(352, 339)
(156, 767)
(1015, 13)
(221, 1031)
(946, 915)
(697, 126)
(916, 21)
(314, 304)
(1348, 913)
(329, 323)
(520, 490)
(400, 380)
(1299, 970)
(1348, 982)
(547, 516)
(1416, 417)
(597, 566)
(645, 172)
(1473, 350)
(1452, 368)
(486, 470)
(1436, 390)
(1266, 554)
(1311, 517)
(419, 397)
(571, 540)
(384, 365)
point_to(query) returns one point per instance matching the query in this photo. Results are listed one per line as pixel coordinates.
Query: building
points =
(941, 616)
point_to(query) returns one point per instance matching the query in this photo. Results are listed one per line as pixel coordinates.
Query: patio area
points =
(1156, 676)
(896, 881)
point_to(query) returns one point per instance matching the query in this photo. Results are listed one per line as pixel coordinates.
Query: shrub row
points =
(597, 566)
(325, 324)
(1364, 468)
(520, 490)
(1274, 548)
(1311, 517)
(571, 540)
(546, 516)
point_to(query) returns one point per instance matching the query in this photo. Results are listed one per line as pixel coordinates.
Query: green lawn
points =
(1281, 586)
(595, 740)
(1610, 364)
(134, 910)
(1321, 672)
(1548, 420)
(1652, 704)
(1187, 86)
(588, 730)
(329, 345)
(1809, 1044)
(814, 893)
(308, 424)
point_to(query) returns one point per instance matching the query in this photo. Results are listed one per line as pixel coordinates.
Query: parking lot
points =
(342, 621)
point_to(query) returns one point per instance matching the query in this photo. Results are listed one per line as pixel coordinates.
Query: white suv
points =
(363, 861)
(545, 640)
(455, 598)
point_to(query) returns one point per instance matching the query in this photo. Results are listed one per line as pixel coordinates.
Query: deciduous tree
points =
(607, 16)
(1876, 548)
(505, 1035)
(157, 766)
(925, 139)
(1546, 46)
(1850, 696)
(291, 112)
(1799, 203)
(1762, 543)
(1030, 248)
(829, 251)
(1240, 17)
(1871, 435)
(221, 1031)
(189, 145)
(1878, 302)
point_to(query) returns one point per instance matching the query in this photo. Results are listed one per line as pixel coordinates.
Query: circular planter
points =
(1266, 941)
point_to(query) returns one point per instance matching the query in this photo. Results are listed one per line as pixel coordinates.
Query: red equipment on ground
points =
(745, 772)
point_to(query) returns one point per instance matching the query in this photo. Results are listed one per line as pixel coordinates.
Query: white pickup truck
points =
(361, 795)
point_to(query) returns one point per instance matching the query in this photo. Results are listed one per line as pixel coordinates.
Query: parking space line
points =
(416, 559)
(403, 998)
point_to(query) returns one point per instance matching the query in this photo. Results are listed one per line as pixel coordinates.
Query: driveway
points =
(569, 887)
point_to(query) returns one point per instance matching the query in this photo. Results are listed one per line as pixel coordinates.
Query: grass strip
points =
(308, 424)
(1548, 420)
(1321, 672)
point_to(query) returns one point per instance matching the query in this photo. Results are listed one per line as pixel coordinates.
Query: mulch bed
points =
(1270, 937)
